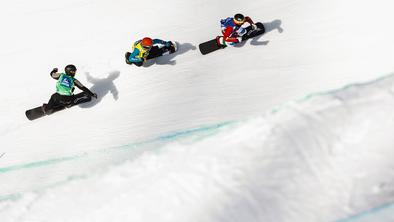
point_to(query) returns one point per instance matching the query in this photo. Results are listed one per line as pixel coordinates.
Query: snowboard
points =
(155, 52)
(38, 112)
(213, 45)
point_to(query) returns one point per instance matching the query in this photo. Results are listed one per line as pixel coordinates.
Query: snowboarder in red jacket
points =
(232, 29)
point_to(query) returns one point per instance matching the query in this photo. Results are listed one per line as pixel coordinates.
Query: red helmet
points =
(146, 42)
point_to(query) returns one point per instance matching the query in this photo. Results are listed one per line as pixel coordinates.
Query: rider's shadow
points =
(169, 58)
(102, 87)
(269, 26)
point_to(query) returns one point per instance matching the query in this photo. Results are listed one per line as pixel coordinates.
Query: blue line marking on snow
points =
(330, 92)
(366, 213)
(164, 138)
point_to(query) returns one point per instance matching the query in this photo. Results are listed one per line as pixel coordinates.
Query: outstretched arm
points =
(158, 41)
(249, 20)
(83, 88)
(161, 42)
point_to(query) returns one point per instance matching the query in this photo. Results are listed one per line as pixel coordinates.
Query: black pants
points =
(57, 101)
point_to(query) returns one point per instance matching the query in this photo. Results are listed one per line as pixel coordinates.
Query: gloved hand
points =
(239, 38)
(220, 41)
(254, 26)
(94, 95)
(54, 70)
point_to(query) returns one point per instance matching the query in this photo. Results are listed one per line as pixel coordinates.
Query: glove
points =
(239, 38)
(220, 41)
(94, 95)
(54, 70)
(254, 26)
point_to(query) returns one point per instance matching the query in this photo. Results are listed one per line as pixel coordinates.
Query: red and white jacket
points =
(231, 31)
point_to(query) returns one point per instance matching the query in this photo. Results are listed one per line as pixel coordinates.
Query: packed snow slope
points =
(240, 172)
(327, 157)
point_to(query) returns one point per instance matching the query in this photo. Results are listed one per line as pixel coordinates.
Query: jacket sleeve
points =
(159, 41)
(82, 87)
(249, 20)
(133, 57)
(226, 35)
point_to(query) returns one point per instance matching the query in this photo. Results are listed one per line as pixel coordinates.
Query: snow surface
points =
(200, 138)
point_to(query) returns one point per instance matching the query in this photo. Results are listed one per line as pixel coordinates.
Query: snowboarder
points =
(64, 96)
(148, 48)
(232, 29)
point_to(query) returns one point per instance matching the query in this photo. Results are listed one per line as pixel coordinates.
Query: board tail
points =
(209, 46)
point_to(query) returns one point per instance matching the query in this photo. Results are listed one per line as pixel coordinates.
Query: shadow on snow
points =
(169, 59)
(102, 87)
(269, 26)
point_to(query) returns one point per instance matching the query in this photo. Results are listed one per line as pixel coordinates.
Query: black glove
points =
(94, 95)
(54, 70)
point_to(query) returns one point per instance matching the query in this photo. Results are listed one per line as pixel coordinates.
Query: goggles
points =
(239, 22)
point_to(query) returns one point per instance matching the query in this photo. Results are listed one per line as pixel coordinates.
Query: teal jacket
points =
(139, 53)
(65, 84)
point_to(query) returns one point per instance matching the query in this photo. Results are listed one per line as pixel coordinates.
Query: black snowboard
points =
(212, 45)
(155, 52)
(38, 112)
